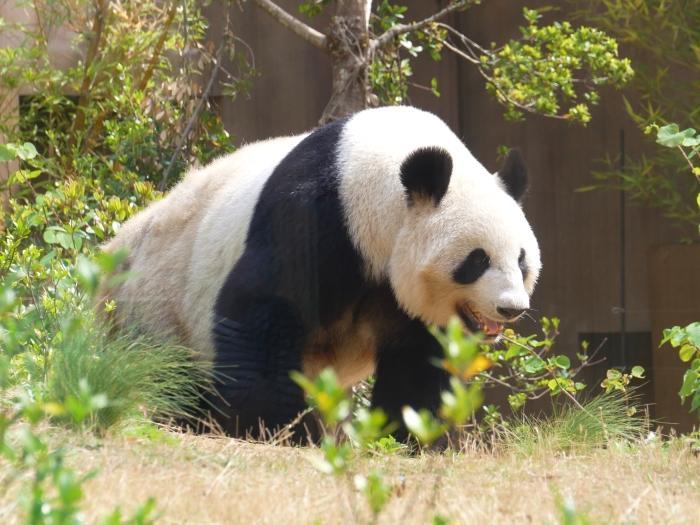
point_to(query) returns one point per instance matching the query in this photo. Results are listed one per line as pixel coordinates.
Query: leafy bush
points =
(554, 70)
(98, 141)
(52, 492)
(687, 341)
(71, 359)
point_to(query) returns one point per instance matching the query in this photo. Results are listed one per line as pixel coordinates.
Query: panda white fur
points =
(335, 247)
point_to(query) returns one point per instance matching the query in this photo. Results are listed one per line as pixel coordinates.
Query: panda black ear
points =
(514, 174)
(426, 174)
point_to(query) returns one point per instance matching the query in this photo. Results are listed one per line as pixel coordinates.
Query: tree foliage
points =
(554, 70)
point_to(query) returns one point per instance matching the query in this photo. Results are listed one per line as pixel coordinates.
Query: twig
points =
(459, 52)
(690, 162)
(505, 98)
(91, 55)
(389, 35)
(554, 376)
(193, 119)
(308, 33)
(284, 433)
(468, 42)
(158, 48)
(39, 22)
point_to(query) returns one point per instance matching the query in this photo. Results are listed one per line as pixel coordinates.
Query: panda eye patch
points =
(473, 267)
(522, 264)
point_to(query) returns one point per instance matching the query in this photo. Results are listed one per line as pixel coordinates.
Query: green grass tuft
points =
(602, 420)
(124, 377)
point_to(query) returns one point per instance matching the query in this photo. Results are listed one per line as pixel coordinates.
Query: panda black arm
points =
(407, 374)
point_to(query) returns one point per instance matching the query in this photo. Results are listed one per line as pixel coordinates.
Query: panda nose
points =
(510, 313)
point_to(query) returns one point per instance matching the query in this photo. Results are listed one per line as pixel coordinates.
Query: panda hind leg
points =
(255, 352)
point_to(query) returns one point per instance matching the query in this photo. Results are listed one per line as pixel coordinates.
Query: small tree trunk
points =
(348, 47)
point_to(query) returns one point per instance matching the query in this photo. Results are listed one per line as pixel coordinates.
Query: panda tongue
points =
(491, 327)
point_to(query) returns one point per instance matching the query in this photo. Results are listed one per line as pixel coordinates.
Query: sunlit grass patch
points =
(123, 377)
(597, 422)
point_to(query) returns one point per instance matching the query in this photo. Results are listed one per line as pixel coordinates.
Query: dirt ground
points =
(214, 480)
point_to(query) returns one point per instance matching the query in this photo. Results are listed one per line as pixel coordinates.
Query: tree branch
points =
(194, 117)
(308, 33)
(391, 33)
(98, 23)
(158, 48)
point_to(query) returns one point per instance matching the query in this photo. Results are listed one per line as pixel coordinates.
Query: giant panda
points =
(338, 247)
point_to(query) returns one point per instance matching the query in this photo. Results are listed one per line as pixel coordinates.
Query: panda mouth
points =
(478, 323)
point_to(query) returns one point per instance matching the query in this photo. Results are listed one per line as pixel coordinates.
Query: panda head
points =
(465, 247)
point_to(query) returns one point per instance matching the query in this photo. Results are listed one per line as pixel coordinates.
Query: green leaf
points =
(637, 371)
(531, 15)
(514, 351)
(686, 352)
(50, 234)
(671, 137)
(326, 394)
(376, 491)
(7, 299)
(689, 379)
(7, 152)
(674, 335)
(22, 176)
(695, 404)
(26, 151)
(440, 520)
(562, 361)
(553, 385)
(368, 426)
(533, 365)
(88, 274)
(434, 87)
(459, 403)
(613, 374)
(335, 457)
(692, 332)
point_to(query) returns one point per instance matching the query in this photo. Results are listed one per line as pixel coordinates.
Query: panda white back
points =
(181, 247)
(220, 236)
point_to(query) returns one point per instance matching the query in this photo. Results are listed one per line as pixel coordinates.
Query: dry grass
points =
(205, 480)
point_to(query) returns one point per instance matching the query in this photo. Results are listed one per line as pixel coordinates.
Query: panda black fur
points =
(336, 248)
